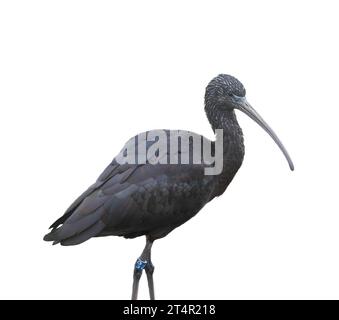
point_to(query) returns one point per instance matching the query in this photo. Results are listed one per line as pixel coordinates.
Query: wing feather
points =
(131, 199)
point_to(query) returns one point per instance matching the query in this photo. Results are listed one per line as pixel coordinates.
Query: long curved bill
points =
(246, 108)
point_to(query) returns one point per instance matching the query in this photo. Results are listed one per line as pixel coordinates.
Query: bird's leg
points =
(136, 278)
(149, 269)
(144, 262)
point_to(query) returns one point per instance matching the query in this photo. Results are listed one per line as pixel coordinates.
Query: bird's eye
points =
(230, 94)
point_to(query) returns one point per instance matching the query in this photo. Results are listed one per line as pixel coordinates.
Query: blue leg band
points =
(140, 264)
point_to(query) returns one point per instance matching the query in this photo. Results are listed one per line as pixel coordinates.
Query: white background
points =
(78, 78)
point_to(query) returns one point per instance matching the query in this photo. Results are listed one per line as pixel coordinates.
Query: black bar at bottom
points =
(168, 309)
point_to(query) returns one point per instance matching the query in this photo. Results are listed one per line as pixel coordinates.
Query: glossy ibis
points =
(151, 198)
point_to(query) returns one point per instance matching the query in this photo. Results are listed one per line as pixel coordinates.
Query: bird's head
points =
(225, 93)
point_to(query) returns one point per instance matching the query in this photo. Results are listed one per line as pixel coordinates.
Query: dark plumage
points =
(131, 200)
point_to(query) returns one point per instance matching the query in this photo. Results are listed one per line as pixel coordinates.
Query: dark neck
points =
(233, 144)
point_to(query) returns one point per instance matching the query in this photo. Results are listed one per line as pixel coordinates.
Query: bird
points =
(153, 197)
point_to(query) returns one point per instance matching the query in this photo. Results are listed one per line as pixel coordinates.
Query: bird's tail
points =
(78, 228)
